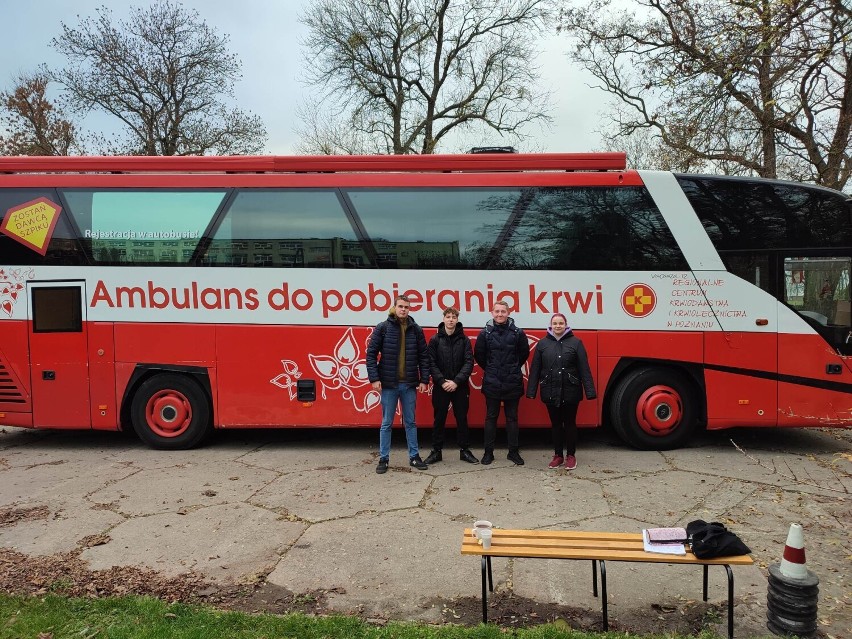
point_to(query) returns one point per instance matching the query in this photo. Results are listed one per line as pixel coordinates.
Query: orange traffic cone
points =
(793, 560)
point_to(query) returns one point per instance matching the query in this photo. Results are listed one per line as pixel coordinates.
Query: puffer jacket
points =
(554, 363)
(501, 350)
(450, 356)
(383, 353)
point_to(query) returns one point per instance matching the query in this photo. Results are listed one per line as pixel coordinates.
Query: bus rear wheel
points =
(654, 408)
(170, 412)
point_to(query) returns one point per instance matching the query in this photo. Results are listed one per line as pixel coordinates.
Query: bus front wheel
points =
(170, 412)
(654, 409)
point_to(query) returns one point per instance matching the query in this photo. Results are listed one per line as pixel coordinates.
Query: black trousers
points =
(492, 410)
(441, 401)
(563, 424)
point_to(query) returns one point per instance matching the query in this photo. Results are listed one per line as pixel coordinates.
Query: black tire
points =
(655, 408)
(171, 412)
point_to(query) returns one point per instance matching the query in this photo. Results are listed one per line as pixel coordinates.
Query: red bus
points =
(177, 295)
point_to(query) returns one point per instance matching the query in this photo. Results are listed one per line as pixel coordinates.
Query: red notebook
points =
(667, 535)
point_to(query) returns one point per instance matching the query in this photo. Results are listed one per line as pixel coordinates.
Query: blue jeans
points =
(406, 396)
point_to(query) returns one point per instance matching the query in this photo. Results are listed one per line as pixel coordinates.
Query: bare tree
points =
(33, 124)
(329, 133)
(165, 74)
(750, 86)
(403, 74)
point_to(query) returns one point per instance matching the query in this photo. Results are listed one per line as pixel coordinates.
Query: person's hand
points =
(450, 386)
(377, 386)
(422, 387)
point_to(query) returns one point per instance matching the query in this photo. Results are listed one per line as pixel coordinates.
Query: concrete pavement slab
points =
(389, 565)
(45, 483)
(229, 543)
(516, 497)
(295, 457)
(58, 528)
(182, 488)
(332, 493)
(669, 495)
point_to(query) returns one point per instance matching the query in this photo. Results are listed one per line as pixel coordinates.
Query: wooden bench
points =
(599, 547)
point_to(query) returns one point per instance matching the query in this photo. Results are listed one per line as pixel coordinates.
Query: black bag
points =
(713, 540)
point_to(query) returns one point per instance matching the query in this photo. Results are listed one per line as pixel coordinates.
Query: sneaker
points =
(434, 457)
(488, 457)
(515, 457)
(570, 462)
(467, 456)
(416, 462)
(556, 462)
(382, 468)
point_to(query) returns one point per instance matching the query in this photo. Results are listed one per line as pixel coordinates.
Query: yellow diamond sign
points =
(32, 223)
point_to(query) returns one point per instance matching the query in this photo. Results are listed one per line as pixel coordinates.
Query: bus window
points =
(285, 228)
(63, 249)
(596, 229)
(570, 228)
(818, 289)
(431, 228)
(142, 227)
(746, 214)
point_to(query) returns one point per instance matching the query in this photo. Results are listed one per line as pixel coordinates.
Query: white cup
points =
(480, 525)
(485, 536)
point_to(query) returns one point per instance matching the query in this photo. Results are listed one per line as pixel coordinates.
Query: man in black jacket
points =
(398, 367)
(451, 363)
(501, 351)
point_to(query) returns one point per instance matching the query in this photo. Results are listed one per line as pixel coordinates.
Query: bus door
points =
(58, 354)
(815, 371)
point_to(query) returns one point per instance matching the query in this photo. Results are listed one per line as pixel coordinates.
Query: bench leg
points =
(485, 568)
(595, 577)
(730, 601)
(730, 596)
(490, 579)
(603, 596)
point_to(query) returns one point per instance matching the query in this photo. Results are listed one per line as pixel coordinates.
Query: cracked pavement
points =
(305, 510)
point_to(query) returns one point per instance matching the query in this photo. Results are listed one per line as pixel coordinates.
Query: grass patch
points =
(56, 617)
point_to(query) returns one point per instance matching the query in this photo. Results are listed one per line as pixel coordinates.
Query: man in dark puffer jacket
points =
(398, 367)
(501, 351)
(451, 363)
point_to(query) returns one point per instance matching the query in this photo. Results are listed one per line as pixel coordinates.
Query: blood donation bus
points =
(177, 295)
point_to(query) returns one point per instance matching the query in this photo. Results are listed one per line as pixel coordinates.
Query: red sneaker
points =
(570, 462)
(556, 462)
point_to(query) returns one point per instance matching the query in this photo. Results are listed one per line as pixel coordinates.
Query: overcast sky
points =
(267, 35)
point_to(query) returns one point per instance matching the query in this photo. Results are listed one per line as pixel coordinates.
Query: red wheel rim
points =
(659, 410)
(168, 413)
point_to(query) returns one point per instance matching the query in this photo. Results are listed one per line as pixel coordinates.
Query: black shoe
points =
(416, 462)
(434, 457)
(382, 468)
(515, 457)
(466, 455)
(488, 457)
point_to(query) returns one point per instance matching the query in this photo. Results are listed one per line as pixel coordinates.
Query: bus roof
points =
(478, 162)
